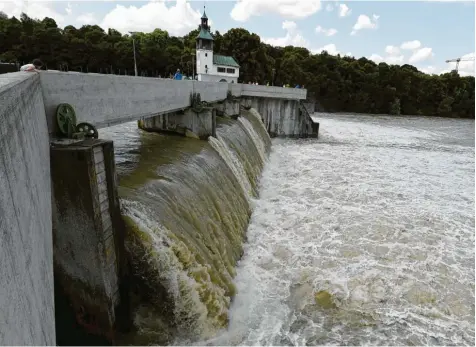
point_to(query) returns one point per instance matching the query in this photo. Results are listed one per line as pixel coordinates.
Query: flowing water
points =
(186, 204)
(364, 236)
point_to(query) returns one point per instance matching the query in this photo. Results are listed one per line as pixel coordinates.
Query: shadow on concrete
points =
(68, 331)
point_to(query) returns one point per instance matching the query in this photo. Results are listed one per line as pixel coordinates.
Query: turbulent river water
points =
(364, 236)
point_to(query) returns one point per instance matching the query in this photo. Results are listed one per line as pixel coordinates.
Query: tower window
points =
(206, 54)
(206, 66)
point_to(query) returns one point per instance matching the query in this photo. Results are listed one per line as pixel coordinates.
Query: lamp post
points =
(134, 49)
(272, 76)
(193, 66)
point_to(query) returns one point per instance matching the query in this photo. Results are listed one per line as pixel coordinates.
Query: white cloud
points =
(429, 69)
(364, 22)
(344, 10)
(291, 9)
(327, 32)
(467, 66)
(86, 19)
(411, 45)
(69, 9)
(389, 59)
(466, 73)
(330, 48)
(178, 19)
(394, 59)
(33, 9)
(421, 54)
(376, 58)
(329, 8)
(293, 37)
(392, 50)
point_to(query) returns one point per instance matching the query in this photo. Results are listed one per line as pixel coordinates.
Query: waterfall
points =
(186, 204)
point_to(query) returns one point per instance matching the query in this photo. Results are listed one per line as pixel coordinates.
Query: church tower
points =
(204, 49)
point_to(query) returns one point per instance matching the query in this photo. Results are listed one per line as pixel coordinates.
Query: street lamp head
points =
(133, 32)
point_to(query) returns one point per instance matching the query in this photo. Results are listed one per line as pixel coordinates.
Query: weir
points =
(156, 257)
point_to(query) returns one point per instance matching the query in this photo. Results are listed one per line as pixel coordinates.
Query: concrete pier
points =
(88, 242)
(283, 117)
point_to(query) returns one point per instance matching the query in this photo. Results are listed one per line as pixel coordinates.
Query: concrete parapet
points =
(187, 123)
(26, 247)
(242, 90)
(106, 100)
(272, 92)
(88, 236)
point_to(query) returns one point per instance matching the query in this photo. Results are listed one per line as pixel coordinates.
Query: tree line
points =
(335, 83)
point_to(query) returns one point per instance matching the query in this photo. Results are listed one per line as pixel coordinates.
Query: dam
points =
(363, 236)
(68, 226)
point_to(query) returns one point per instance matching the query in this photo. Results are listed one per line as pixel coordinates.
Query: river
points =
(364, 236)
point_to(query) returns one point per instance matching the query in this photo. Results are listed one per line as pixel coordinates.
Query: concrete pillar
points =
(187, 123)
(88, 235)
(282, 117)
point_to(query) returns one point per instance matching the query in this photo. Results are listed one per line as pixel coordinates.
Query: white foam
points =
(258, 140)
(233, 163)
(379, 215)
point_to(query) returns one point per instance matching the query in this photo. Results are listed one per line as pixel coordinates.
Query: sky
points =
(421, 33)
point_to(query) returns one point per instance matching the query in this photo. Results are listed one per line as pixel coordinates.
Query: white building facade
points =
(213, 67)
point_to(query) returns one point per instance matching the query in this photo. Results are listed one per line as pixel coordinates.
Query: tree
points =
(336, 83)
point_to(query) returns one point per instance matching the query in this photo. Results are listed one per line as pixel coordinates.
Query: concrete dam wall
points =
(184, 203)
(187, 204)
(26, 251)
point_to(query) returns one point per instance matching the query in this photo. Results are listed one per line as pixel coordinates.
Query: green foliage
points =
(339, 84)
(395, 107)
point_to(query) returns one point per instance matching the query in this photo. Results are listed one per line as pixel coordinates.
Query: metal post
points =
(134, 49)
(135, 62)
